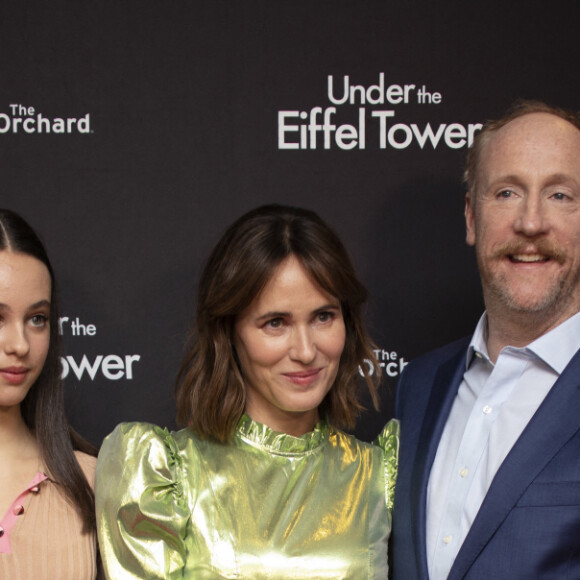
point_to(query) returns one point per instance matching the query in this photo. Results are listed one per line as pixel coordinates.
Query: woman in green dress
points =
(261, 483)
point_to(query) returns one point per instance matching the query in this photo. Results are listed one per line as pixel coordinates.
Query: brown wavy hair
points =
(210, 391)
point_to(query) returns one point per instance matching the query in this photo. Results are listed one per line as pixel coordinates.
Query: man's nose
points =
(532, 218)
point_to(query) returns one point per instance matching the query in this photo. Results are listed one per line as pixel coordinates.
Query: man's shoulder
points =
(417, 379)
(439, 355)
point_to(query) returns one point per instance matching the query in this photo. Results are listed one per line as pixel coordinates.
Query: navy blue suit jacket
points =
(528, 526)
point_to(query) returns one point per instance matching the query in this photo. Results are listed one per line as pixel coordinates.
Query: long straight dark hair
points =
(43, 408)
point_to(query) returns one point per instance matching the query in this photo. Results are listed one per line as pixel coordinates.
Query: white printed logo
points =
(111, 366)
(390, 361)
(23, 119)
(319, 127)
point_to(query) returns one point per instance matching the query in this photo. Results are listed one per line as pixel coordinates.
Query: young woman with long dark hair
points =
(47, 531)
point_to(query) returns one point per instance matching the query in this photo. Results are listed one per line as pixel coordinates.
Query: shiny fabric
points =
(267, 506)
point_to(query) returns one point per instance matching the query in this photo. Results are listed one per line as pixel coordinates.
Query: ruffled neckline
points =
(261, 436)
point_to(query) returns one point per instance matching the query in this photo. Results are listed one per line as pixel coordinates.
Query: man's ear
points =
(469, 220)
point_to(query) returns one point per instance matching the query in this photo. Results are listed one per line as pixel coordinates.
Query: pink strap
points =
(17, 509)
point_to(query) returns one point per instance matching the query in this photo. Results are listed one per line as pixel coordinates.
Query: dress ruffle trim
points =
(175, 464)
(388, 440)
(261, 436)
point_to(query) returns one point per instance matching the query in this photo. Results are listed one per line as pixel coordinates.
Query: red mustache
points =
(544, 247)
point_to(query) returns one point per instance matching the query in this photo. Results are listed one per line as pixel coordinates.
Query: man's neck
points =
(517, 329)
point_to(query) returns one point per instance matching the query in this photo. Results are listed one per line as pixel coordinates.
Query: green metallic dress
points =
(268, 506)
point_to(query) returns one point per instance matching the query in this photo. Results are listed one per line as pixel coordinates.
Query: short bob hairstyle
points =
(210, 390)
(520, 108)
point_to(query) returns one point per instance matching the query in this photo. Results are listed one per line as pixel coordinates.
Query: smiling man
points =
(489, 474)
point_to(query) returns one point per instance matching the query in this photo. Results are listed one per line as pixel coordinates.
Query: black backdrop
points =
(186, 113)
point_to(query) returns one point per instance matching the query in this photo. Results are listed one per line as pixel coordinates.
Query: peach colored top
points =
(41, 536)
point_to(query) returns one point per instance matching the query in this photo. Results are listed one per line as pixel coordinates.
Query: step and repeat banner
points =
(133, 133)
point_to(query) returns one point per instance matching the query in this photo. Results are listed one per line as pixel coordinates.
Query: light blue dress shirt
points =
(492, 408)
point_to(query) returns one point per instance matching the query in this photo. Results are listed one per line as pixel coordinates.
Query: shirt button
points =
(487, 410)
(1, 531)
(447, 539)
(463, 472)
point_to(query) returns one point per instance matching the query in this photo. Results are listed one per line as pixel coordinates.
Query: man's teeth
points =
(528, 258)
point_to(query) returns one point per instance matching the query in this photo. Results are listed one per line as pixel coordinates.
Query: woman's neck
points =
(16, 440)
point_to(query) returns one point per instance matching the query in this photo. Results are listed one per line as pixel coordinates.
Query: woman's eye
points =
(39, 320)
(325, 316)
(274, 323)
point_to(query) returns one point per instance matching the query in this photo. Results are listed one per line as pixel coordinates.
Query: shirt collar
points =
(478, 346)
(556, 348)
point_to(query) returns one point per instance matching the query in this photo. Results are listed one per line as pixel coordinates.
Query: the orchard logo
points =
(23, 119)
(389, 360)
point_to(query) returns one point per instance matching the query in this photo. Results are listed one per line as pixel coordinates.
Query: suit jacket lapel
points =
(446, 383)
(555, 422)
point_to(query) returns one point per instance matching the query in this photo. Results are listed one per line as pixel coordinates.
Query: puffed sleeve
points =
(388, 441)
(142, 513)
